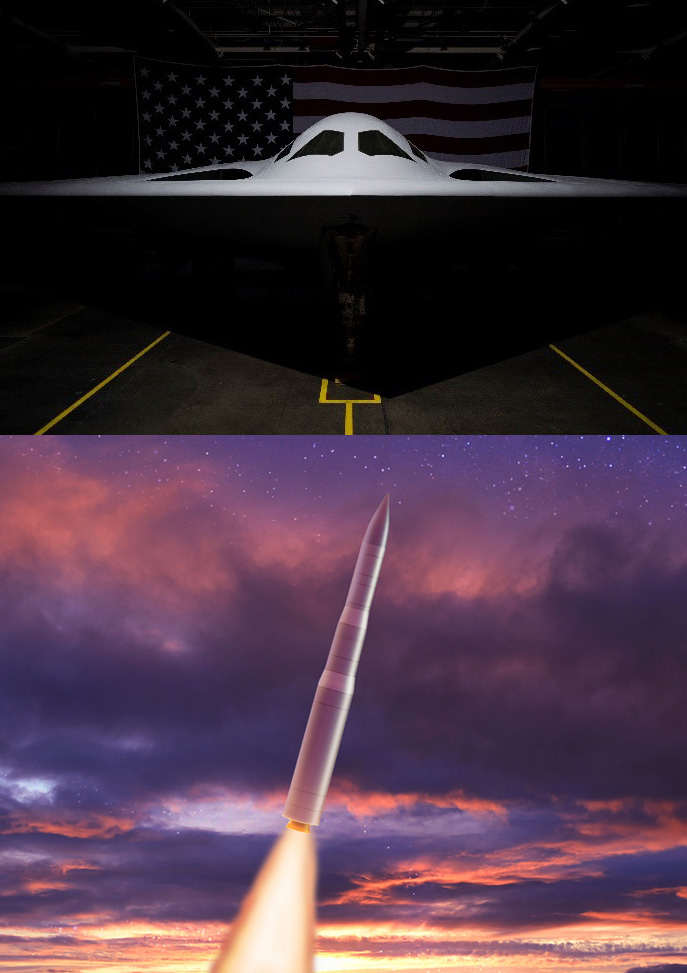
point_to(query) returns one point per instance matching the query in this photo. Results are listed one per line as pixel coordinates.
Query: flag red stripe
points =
(485, 146)
(417, 109)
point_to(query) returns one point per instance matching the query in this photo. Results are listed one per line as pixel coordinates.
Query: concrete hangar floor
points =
(120, 335)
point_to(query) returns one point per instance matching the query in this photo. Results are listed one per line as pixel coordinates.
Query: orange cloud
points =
(483, 871)
(629, 826)
(679, 891)
(641, 918)
(43, 885)
(362, 803)
(95, 826)
(541, 859)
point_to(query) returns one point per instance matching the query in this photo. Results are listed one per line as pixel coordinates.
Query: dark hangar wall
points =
(612, 131)
(68, 129)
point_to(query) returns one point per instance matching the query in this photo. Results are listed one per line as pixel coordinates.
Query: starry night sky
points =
(511, 788)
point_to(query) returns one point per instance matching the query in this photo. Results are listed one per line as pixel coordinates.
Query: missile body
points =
(327, 719)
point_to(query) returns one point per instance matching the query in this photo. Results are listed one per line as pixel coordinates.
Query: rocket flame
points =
(275, 929)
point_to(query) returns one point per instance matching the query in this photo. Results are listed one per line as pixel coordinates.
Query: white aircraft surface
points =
(347, 168)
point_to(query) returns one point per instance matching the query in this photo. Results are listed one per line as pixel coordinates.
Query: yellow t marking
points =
(349, 403)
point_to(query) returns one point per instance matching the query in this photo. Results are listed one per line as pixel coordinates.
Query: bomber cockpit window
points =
(284, 151)
(376, 143)
(325, 143)
(420, 155)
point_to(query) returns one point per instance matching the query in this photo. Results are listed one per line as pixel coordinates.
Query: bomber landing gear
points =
(346, 256)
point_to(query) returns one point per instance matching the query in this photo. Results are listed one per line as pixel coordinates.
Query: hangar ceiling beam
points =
(509, 45)
(68, 51)
(362, 27)
(344, 41)
(40, 35)
(191, 28)
(643, 54)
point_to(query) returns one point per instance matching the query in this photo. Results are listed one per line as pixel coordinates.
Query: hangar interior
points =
(507, 333)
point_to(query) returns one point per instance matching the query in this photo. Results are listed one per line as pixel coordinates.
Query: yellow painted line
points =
(601, 385)
(349, 403)
(75, 405)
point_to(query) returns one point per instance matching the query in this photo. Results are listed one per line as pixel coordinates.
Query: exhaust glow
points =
(275, 930)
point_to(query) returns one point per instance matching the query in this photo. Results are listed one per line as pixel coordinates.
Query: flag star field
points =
(190, 118)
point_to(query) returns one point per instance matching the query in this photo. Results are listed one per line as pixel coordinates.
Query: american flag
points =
(190, 116)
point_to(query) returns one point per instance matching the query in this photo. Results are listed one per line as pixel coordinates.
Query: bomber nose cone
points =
(378, 529)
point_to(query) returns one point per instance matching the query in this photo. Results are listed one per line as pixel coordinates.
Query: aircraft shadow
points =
(427, 321)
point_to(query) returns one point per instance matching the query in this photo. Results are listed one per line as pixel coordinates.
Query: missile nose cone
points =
(378, 528)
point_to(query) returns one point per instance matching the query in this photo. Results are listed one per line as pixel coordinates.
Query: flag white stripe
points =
(381, 94)
(502, 160)
(437, 126)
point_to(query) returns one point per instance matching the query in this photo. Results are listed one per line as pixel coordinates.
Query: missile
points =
(334, 693)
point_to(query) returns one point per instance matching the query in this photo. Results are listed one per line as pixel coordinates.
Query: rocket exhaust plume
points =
(275, 929)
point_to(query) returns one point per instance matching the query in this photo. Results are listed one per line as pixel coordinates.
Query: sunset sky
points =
(511, 790)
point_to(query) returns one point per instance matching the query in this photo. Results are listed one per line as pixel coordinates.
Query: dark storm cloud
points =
(97, 702)
(570, 688)
(660, 968)
(146, 874)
